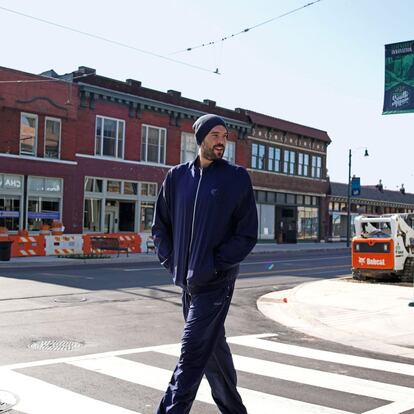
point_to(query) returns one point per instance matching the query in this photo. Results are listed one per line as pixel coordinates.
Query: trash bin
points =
(5, 250)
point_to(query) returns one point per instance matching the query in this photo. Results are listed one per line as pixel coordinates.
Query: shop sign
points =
(11, 182)
(9, 214)
(51, 215)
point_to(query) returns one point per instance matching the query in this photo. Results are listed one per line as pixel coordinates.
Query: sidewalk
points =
(151, 257)
(374, 317)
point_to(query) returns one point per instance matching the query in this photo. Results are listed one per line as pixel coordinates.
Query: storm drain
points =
(7, 401)
(70, 299)
(55, 345)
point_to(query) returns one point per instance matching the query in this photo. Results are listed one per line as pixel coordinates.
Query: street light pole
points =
(348, 218)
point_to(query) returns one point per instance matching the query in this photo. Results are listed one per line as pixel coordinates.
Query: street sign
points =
(356, 186)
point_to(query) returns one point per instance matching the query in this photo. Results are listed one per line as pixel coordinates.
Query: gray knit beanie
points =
(205, 124)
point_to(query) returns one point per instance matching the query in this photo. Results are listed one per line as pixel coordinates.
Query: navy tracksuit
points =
(205, 224)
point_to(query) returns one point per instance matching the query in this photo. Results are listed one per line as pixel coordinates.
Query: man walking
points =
(205, 224)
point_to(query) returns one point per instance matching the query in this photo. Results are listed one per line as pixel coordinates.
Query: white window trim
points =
(184, 136)
(303, 167)
(231, 144)
(49, 118)
(276, 160)
(118, 121)
(159, 146)
(36, 133)
(289, 163)
(258, 156)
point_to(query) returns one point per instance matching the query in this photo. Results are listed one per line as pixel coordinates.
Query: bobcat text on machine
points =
(383, 246)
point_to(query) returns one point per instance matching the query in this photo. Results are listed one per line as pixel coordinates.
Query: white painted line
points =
(255, 341)
(294, 260)
(268, 262)
(39, 397)
(68, 360)
(142, 270)
(256, 402)
(393, 408)
(315, 378)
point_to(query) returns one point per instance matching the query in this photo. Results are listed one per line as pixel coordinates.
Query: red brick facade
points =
(79, 98)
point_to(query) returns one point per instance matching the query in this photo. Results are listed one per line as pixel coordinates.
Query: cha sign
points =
(399, 78)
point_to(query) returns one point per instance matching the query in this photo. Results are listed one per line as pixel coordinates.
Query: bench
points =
(99, 244)
(150, 244)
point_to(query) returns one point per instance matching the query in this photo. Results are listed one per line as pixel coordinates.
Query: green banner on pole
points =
(399, 78)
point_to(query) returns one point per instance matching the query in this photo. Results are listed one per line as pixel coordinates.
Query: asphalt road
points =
(52, 316)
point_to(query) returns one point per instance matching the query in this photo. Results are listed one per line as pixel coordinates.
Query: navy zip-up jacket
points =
(205, 223)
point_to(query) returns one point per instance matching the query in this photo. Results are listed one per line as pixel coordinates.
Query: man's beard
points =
(209, 154)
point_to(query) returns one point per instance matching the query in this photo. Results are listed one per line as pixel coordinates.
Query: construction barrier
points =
(130, 241)
(64, 244)
(27, 246)
(53, 245)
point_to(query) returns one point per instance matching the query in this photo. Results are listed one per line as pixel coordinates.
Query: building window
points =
(230, 152)
(289, 162)
(92, 214)
(28, 134)
(273, 159)
(258, 154)
(303, 164)
(113, 187)
(316, 166)
(308, 223)
(10, 212)
(52, 137)
(130, 188)
(266, 218)
(93, 185)
(44, 201)
(110, 136)
(189, 147)
(147, 214)
(153, 144)
(42, 210)
(149, 189)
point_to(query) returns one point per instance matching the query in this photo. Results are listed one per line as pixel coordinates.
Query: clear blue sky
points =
(322, 66)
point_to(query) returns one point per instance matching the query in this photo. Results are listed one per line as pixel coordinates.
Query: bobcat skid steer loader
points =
(383, 247)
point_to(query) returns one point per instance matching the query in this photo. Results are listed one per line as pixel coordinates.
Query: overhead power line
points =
(105, 39)
(248, 29)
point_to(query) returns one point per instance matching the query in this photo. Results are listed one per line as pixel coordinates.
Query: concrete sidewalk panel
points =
(367, 316)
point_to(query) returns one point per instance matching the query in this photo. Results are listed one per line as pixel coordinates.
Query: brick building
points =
(288, 170)
(373, 200)
(92, 151)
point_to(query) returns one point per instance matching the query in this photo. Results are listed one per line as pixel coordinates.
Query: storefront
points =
(44, 201)
(112, 206)
(42, 205)
(286, 217)
(11, 201)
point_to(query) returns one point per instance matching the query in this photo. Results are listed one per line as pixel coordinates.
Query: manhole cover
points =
(70, 299)
(7, 401)
(55, 345)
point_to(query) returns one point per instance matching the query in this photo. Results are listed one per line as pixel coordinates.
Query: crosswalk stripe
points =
(257, 341)
(256, 402)
(394, 408)
(315, 378)
(39, 397)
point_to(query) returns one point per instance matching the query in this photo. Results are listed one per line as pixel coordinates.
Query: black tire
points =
(358, 276)
(408, 274)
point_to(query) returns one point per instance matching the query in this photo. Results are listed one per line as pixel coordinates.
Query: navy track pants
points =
(204, 350)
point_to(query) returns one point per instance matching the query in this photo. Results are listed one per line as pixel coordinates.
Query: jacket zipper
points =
(194, 211)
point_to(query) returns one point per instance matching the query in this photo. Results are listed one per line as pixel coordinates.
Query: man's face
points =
(214, 144)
